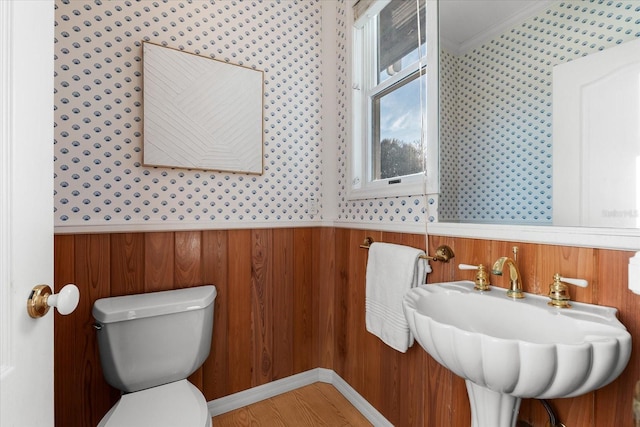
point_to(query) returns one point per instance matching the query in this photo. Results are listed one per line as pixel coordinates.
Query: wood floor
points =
(318, 404)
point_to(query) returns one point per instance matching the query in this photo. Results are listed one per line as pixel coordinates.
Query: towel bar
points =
(443, 253)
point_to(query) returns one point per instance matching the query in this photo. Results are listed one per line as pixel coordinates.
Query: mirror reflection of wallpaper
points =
(99, 176)
(497, 140)
(201, 113)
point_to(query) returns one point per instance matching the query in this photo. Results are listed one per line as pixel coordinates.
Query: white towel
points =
(392, 270)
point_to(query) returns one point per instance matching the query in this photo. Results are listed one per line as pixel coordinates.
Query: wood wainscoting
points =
(292, 299)
(266, 312)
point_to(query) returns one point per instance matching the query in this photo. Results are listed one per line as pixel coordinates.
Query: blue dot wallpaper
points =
(495, 117)
(496, 110)
(100, 178)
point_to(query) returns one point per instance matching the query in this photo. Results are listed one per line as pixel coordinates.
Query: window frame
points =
(363, 78)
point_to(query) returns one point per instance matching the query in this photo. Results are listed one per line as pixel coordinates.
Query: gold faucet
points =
(515, 289)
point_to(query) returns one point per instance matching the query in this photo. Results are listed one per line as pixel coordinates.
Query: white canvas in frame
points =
(200, 113)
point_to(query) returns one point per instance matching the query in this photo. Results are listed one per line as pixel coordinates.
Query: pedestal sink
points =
(508, 349)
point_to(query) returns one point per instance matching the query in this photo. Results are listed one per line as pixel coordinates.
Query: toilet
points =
(149, 344)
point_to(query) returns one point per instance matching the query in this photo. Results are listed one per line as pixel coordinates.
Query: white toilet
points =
(149, 344)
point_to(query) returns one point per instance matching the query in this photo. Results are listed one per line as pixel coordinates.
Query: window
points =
(389, 99)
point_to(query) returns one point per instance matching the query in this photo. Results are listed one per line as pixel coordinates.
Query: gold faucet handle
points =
(559, 291)
(482, 278)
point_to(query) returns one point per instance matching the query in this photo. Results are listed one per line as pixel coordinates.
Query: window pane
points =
(396, 147)
(398, 37)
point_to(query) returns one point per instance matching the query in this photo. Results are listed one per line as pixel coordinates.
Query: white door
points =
(26, 210)
(596, 139)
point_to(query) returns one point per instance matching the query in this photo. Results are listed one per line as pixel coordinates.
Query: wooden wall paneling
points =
(442, 272)
(341, 283)
(215, 272)
(240, 344)
(389, 376)
(92, 273)
(67, 366)
(271, 280)
(413, 393)
(324, 287)
(472, 252)
(578, 411)
(372, 372)
(413, 240)
(283, 282)
(390, 401)
(459, 407)
(568, 262)
(187, 273)
(127, 264)
(363, 348)
(159, 261)
(304, 317)
(531, 258)
(613, 403)
(188, 259)
(351, 267)
(262, 305)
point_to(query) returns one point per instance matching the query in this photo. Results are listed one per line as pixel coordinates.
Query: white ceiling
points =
(465, 24)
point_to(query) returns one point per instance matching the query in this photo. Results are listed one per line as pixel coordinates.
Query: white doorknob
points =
(42, 298)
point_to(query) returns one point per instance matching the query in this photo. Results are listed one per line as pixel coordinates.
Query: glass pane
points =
(398, 37)
(396, 138)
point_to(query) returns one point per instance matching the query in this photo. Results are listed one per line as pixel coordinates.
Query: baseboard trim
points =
(274, 388)
(360, 403)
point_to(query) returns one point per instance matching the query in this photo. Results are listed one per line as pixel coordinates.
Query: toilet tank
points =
(150, 339)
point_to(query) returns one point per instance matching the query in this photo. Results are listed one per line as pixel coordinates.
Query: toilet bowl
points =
(175, 404)
(149, 344)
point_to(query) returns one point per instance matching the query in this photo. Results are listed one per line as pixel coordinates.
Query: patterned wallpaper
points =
(99, 178)
(499, 134)
(502, 90)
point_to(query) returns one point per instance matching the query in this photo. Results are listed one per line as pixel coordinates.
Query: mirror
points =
(496, 99)
(201, 113)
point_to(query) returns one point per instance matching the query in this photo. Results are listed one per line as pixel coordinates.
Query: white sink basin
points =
(518, 348)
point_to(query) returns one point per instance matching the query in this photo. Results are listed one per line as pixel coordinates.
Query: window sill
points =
(410, 186)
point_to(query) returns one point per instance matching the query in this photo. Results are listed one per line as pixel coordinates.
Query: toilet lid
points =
(175, 404)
